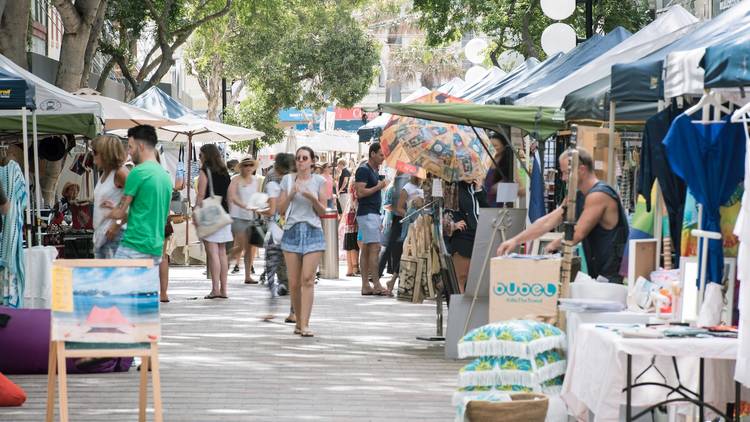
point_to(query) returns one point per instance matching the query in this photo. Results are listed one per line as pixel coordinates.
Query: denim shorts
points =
(369, 227)
(124, 252)
(302, 238)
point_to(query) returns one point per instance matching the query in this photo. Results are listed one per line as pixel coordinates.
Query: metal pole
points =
(611, 146)
(37, 183)
(25, 130)
(589, 18)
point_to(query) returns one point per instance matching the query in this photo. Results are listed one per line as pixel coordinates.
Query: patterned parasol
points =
(451, 152)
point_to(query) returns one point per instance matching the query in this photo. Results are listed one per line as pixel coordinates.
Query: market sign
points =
(524, 287)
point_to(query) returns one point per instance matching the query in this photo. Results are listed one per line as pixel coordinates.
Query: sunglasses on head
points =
(302, 158)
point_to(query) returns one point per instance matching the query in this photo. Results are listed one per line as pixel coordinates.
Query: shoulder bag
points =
(211, 216)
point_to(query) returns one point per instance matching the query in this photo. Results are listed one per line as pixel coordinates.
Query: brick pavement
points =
(220, 362)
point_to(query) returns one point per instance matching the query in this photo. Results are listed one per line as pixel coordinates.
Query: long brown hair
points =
(212, 160)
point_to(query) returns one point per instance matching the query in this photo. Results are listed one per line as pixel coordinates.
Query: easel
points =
(56, 364)
(144, 347)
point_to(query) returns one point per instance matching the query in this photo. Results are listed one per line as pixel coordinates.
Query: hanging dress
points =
(11, 238)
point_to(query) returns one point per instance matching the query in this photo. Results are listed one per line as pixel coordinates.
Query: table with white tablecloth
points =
(597, 371)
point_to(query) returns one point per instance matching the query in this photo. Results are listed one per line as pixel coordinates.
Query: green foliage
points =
(518, 24)
(430, 65)
(292, 53)
(255, 111)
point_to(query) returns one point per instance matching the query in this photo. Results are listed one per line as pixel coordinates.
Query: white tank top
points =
(245, 192)
(104, 191)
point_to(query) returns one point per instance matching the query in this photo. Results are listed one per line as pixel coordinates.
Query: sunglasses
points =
(302, 158)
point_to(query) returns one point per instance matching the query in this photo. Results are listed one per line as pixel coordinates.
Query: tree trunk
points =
(214, 88)
(78, 23)
(93, 44)
(105, 74)
(14, 29)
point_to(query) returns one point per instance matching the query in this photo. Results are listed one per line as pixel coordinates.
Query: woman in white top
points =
(241, 189)
(303, 199)
(109, 158)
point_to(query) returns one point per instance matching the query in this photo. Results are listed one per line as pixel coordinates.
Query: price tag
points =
(437, 188)
(62, 289)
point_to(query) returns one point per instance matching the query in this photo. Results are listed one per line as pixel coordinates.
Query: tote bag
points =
(210, 217)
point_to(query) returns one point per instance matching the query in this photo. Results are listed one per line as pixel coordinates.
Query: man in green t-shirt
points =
(145, 201)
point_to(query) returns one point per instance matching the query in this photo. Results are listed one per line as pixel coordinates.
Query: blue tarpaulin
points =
(495, 81)
(634, 81)
(15, 92)
(572, 61)
(157, 101)
(727, 65)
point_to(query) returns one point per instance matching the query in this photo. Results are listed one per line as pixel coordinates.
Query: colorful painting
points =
(110, 304)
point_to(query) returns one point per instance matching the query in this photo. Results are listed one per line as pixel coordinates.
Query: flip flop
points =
(164, 300)
(297, 331)
(210, 296)
(306, 333)
(290, 321)
(251, 282)
(370, 293)
(223, 297)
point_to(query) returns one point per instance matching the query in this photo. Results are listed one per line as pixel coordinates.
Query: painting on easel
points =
(105, 303)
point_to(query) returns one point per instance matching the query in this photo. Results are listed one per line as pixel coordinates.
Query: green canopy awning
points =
(539, 122)
(84, 124)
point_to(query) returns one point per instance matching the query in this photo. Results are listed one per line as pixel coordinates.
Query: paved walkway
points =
(221, 362)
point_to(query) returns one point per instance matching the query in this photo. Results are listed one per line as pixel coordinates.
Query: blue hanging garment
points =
(11, 238)
(710, 158)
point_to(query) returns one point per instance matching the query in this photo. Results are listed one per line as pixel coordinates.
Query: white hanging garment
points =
(742, 231)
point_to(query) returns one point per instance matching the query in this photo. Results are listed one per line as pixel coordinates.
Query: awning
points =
(539, 122)
(727, 65)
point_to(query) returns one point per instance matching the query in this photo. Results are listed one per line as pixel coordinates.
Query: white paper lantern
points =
(558, 38)
(474, 50)
(509, 59)
(558, 9)
(474, 74)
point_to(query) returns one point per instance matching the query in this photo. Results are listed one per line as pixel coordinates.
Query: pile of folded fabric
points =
(512, 356)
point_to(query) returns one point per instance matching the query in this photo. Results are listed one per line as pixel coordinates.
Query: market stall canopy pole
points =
(539, 122)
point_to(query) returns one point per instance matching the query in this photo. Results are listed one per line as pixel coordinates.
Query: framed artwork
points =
(105, 301)
(688, 276)
(538, 245)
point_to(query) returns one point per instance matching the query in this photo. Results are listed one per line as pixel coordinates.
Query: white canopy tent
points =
(336, 141)
(667, 28)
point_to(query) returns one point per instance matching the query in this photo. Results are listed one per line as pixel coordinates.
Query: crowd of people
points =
(280, 213)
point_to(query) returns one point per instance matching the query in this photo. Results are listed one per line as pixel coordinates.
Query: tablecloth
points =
(575, 319)
(597, 369)
(38, 262)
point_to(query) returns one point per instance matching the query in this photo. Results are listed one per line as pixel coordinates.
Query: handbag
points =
(210, 217)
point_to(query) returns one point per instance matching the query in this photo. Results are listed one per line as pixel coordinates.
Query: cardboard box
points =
(595, 140)
(523, 288)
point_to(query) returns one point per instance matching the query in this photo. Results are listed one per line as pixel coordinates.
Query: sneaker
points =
(274, 290)
(281, 290)
(236, 269)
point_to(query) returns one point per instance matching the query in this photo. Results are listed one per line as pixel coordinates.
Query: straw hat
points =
(248, 161)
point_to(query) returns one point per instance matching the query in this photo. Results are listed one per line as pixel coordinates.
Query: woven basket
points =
(525, 407)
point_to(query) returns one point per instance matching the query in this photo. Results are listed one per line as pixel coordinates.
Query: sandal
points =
(297, 331)
(251, 281)
(290, 320)
(211, 296)
(369, 293)
(306, 333)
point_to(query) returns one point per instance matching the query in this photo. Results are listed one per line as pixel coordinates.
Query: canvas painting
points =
(105, 304)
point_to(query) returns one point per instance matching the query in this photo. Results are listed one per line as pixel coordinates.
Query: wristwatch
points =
(118, 222)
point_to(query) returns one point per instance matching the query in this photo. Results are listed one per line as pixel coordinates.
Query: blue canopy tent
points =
(726, 64)
(157, 101)
(572, 61)
(519, 80)
(490, 84)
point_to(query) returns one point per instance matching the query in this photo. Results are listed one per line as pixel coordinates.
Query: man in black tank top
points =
(602, 224)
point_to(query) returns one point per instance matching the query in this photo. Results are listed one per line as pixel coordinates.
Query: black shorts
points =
(462, 243)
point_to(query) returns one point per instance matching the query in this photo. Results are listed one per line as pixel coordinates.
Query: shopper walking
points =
(302, 199)
(342, 188)
(246, 237)
(351, 246)
(109, 159)
(145, 200)
(214, 171)
(369, 186)
(283, 165)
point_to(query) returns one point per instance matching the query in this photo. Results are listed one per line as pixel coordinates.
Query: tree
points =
(14, 28)
(517, 25)
(168, 22)
(82, 20)
(292, 53)
(430, 65)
